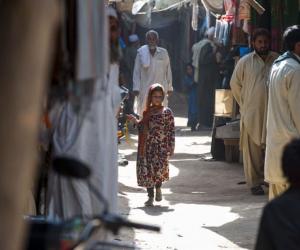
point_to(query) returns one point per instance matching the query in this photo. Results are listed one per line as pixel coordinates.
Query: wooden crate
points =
(232, 152)
(230, 133)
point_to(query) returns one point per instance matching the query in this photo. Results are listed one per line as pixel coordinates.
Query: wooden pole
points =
(27, 29)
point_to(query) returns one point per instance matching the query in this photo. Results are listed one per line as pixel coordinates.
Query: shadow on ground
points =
(214, 185)
(156, 210)
(204, 192)
(124, 233)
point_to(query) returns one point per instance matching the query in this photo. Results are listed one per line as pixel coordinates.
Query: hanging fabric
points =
(195, 14)
(255, 5)
(245, 12)
(215, 6)
(238, 35)
(230, 7)
(224, 23)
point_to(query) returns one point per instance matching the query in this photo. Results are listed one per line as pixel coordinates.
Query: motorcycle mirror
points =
(70, 167)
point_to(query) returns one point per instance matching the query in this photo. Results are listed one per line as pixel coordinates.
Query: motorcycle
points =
(78, 232)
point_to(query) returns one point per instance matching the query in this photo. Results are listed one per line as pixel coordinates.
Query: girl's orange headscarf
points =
(148, 111)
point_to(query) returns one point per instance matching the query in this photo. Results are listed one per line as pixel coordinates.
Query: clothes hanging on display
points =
(224, 23)
(230, 7)
(223, 31)
(264, 20)
(277, 24)
(255, 5)
(195, 14)
(245, 13)
(238, 35)
(278, 16)
(215, 6)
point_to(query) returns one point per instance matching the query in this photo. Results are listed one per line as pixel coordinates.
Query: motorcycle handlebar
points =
(112, 222)
(115, 222)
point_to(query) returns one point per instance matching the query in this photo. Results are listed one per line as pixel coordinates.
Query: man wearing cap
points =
(127, 65)
(152, 65)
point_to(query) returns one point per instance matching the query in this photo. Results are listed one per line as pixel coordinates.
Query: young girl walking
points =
(155, 144)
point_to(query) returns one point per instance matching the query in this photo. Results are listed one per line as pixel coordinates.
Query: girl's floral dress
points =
(155, 148)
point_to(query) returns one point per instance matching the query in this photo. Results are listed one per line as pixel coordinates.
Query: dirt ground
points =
(204, 205)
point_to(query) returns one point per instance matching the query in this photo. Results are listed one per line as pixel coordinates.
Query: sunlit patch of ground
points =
(203, 207)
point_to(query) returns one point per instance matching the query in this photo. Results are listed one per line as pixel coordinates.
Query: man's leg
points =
(276, 190)
(253, 164)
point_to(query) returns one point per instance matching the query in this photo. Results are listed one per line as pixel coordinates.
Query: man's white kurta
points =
(283, 120)
(92, 137)
(159, 71)
(249, 88)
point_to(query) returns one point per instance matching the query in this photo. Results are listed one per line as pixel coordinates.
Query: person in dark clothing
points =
(280, 223)
(208, 77)
(127, 66)
(227, 66)
(191, 90)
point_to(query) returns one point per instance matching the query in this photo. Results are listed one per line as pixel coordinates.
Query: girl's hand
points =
(132, 118)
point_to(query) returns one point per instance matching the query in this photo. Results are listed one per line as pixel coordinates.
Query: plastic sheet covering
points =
(215, 6)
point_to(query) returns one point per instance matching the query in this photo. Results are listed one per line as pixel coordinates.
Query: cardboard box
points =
(223, 102)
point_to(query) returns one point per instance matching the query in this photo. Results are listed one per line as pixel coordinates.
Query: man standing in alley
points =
(249, 88)
(283, 120)
(152, 65)
(127, 66)
(205, 61)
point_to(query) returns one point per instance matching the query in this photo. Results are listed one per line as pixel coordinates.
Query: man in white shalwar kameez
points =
(91, 138)
(249, 88)
(152, 65)
(283, 120)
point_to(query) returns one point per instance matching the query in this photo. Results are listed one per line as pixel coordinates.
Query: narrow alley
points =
(150, 125)
(205, 203)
